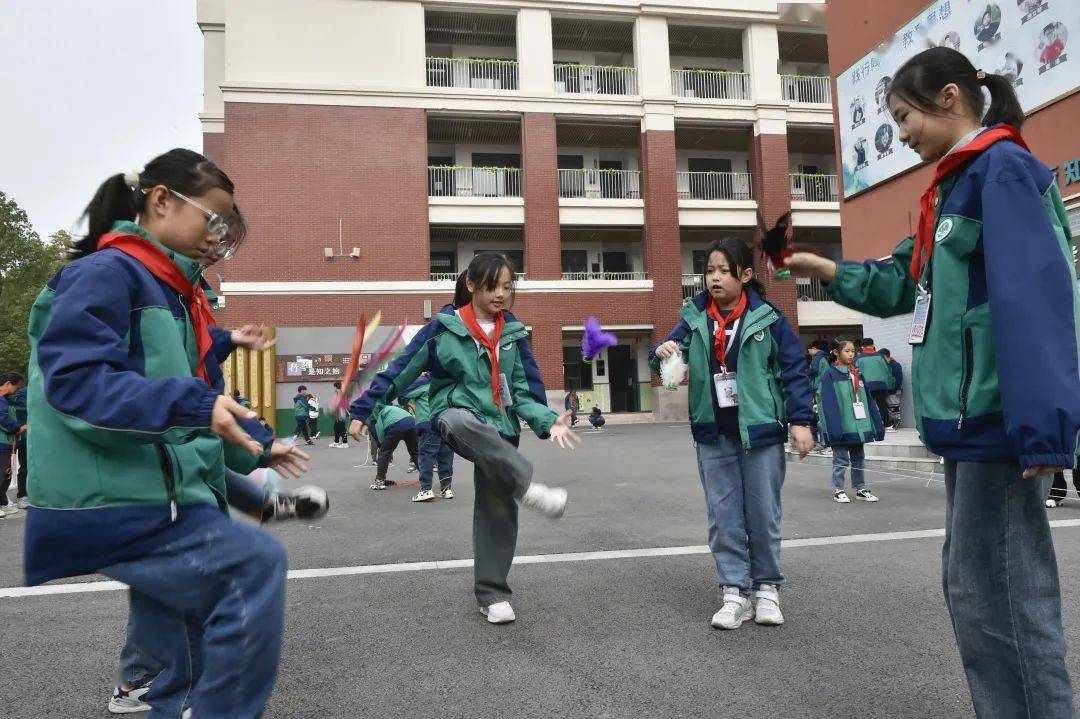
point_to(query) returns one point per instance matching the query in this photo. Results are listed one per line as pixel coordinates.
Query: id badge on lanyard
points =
(504, 391)
(860, 410)
(920, 318)
(727, 388)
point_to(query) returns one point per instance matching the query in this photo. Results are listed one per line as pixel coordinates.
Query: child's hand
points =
(562, 434)
(287, 459)
(356, 428)
(801, 440)
(807, 264)
(223, 423)
(253, 337)
(667, 349)
(1034, 472)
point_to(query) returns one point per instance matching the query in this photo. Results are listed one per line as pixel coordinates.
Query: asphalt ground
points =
(608, 635)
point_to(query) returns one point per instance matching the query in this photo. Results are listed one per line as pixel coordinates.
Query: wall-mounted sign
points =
(315, 368)
(1027, 41)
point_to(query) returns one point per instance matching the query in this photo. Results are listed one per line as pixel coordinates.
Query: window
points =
(577, 374)
(575, 261)
(697, 261)
(443, 262)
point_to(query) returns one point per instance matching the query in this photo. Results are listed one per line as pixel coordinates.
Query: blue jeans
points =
(433, 450)
(209, 610)
(244, 494)
(1000, 578)
(742, 499)
(844, 456)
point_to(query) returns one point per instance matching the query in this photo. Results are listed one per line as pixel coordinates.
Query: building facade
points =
(377, 145)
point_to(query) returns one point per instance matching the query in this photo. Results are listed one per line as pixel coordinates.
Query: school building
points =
(377, 145)
(875, 220)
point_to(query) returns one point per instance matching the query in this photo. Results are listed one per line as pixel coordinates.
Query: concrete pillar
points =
(652, 55)
(539, 157)
(535, 63)
(761, 58)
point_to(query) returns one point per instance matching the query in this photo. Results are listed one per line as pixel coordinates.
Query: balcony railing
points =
(711, 84)
(452, 276)
(814, 188)
(469, 72)
(595, 79)
(474, 182)
(691, 285)
(806, 88)
(810, 289)
(713, 185)
(583, 276)
(594, 184)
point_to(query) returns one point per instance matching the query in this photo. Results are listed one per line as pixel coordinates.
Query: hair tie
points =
(131, 178)
(980, 75)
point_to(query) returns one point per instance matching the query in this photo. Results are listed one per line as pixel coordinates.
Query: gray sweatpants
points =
(501, 475)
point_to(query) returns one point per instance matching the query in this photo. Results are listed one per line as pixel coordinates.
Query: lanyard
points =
(721, 344)
(854, 377)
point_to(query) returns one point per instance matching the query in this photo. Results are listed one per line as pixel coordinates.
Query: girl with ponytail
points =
(135, 434)
(989, 271)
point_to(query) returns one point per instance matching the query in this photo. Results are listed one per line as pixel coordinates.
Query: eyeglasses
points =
(216, 225)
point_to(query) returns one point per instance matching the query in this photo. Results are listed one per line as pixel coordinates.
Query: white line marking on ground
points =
(80, 587)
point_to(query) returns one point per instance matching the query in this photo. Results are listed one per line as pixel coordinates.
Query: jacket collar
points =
(512, 329)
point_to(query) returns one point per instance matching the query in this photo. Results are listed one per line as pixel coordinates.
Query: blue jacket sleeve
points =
(83, 356)
(393, 381)
(7, 422)
(532, 372)
(798, 395)
(1030, 287)
(898, 374)
(222, 345)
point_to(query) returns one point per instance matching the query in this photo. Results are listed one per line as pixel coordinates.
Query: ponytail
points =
(920, 79)
(121, 197)
(1004, 104)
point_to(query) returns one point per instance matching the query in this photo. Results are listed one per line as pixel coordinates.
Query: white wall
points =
(740, 161)
(326, 42)
(730, 64)
(466, 51)
(586, 57)
(466, 250)
(804, 68)
(892, 333)
(826, 163)
(633, 249)
(593, 155)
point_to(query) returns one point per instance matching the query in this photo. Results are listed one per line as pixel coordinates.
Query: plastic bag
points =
(672, 371)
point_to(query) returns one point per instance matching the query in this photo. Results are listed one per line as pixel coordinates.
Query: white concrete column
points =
(652, 56)
(761, 58)
(536, 74)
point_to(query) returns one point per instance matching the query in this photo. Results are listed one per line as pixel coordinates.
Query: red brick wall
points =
(298, 168)
(661, 238)
(772, 190)
(539, 157)
(213, 145)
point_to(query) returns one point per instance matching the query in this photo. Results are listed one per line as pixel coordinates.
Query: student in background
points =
(596, 418)
(879, 378)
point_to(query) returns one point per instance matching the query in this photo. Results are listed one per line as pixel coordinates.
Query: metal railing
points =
(711, 84)
(583, 276)
(814, 188)
(806, 88)
(469, 72)
(713, 185)
(595, 79)
(594, 184)
(810, 289)
(474, 182)
(691, 285)
(452, 276)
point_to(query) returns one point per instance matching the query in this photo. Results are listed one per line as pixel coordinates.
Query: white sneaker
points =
(767, 606)
(1053, 503)
(424, 495)
(499, 613)
(841, 497)
(333, 445)
(129, 702)
(412, 468)
(736, 610)
(549, 501)
(447, 493)
(11, 508)
(865, 495)
(24, 503)
(2, 513)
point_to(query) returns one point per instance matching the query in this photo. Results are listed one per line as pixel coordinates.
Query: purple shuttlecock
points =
(595, 339)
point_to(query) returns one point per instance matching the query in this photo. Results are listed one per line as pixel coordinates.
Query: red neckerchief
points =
(924, 237)
(491, 344)
(854, 376)
(719, 335)
(869, 350)
(161, 267)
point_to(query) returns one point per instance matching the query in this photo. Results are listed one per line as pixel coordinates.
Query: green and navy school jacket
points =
(389, 420)
(1003, 282)
(301, 407)
(836, 410)
(9, 424)
(878, 374)
(771, 373)
(123, 458)
(417, 394)
(461, 376)
(819, 363)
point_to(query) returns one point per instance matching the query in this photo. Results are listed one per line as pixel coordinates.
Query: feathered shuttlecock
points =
(776, 245)
(595, 339)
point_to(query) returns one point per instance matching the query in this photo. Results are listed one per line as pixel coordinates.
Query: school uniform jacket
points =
(837, 423)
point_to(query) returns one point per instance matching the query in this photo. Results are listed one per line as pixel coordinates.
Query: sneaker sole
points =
(768, 622)
(425, 499)
(841, 501)
(118, 709)
(495, 620)
(864, 499)
(747, 618)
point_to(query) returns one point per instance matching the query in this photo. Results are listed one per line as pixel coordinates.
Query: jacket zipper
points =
(969, 351)
(170, 481)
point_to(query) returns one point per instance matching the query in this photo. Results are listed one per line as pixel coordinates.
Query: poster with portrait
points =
(1028, 41)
